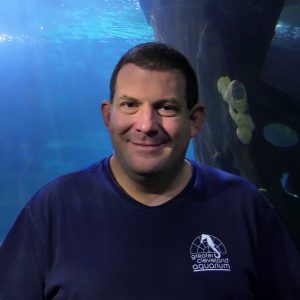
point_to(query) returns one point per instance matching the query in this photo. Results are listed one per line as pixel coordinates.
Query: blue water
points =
(287, 31)
(56, 58)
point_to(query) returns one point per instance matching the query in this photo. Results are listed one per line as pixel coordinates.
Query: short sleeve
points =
(22, 261)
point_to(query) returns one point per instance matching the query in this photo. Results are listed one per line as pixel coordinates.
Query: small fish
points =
(289, 184)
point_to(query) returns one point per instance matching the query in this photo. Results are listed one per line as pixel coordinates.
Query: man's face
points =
(148, 120)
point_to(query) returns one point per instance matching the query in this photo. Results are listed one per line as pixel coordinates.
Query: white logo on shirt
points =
(208, 253)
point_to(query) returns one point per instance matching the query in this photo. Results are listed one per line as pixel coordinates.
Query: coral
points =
(234, 94)
(222, 85)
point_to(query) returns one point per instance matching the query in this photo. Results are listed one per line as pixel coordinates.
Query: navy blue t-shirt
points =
(82, 237)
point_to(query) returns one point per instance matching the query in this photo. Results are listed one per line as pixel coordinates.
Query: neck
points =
(154, 189)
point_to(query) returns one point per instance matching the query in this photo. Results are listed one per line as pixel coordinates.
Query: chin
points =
(147, 169)
(147, 172)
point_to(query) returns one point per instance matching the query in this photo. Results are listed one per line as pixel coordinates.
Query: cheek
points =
(119, 124)
(176, 128)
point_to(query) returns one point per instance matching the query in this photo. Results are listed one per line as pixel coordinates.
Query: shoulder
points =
(71, 180)
(66, 197)
(232, 193)
(69, 187)
(235, 200)
(214, 180)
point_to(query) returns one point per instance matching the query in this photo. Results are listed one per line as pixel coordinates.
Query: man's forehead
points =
(136, 83)
(131, 68)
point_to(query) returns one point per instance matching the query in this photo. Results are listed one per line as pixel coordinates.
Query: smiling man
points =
(150, 127)
(145, 223)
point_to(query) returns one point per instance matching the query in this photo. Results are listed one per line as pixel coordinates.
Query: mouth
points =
(148, 147)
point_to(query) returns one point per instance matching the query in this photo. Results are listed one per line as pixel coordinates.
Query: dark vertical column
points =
(227, 40)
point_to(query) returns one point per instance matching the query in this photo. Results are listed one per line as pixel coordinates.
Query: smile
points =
(148, 147)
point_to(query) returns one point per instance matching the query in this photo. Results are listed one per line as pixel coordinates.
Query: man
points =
(146, 223)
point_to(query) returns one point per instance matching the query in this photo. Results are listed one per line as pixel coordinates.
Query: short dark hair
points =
(159, 57)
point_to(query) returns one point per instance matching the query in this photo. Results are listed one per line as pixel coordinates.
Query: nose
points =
(147, 120)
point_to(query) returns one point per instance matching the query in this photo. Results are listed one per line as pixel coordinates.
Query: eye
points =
(129, 106)
(168, 110)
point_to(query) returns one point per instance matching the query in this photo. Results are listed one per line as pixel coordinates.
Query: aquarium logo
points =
(208, 253)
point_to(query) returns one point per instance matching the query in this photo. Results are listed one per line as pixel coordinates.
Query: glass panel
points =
(56, 58)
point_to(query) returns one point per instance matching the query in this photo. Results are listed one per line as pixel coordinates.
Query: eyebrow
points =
(159, 101)
(125, 97)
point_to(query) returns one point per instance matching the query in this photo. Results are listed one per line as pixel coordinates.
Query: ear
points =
(105, 111)
(197, 117)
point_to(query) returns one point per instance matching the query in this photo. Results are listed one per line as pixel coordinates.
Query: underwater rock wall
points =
(251, 127)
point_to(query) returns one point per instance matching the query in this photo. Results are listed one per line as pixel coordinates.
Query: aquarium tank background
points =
(56, 58)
